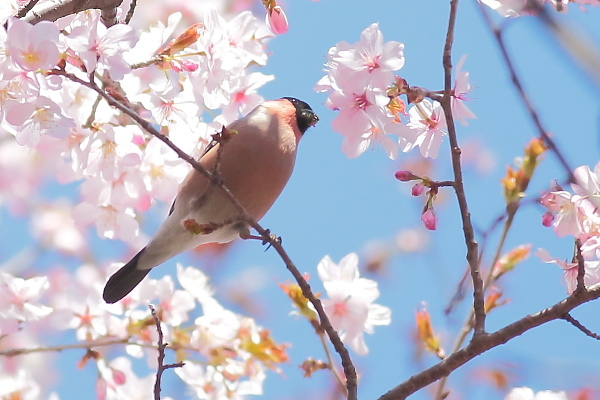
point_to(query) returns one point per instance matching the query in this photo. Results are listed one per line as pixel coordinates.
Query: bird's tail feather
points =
(124, 280)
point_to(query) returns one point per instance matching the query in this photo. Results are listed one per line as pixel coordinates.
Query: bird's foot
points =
(272, 238)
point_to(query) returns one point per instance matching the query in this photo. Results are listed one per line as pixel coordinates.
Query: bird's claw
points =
(272, 239)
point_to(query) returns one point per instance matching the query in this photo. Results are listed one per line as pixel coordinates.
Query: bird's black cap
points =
(305, 116)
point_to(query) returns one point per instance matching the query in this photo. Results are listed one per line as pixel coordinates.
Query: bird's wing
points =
(206, 150)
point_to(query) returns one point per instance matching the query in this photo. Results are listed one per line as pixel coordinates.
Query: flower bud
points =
(429, 219)
(417, 189)
(405, 176)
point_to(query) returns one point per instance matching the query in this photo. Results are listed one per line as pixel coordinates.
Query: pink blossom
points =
(591, 268)
(244, 95)
(110, 223)
(230, 47)
(95, 44)
(210, 382)
(459, 94)
(42, 117)
(373, 56)
(588, 183)
(357, 78)
(19, 298)
(426, 129)
(569, 212)
(350, 305)
(162, 171)
(429, 219)
(33, 47)
(20, 385)
(121, 382)
(277, 20)
(174, 304)
(167, 102)
(110, 151)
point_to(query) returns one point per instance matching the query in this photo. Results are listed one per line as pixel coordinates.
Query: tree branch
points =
(23, 11)
(481, 344)
(53, 10)
(161, 346)
(543, 133)
(567, 317)
(84, 345)
(471, 243)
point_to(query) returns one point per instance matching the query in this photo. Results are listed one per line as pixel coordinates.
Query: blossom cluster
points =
(223, 352)
(576, 214)
(361, 85)
(350, 305)
(170, 83)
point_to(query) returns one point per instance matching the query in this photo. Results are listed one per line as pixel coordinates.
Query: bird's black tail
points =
(124, 280)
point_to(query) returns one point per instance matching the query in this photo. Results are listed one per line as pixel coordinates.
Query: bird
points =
(254, 163)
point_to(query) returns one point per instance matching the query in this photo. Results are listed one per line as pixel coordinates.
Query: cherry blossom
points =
(32, 47)
(459, 94)
(588, 183)
(42, 117)
(350, 305)
(426, 129)
(356, 82)
(569, 214)
(525, 393)
(18, 386)
(19, 298)
(174, 304)
(119, 382)
(95, 44)
(592, 270)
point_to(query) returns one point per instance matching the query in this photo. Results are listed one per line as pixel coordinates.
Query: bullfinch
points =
(255, 164)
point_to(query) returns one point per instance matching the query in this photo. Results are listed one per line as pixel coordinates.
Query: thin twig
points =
(83, 345)
(483, 343)
(90, 120)
(130, 11)
(349, 370)
(567, 317)
(331, 364)
(469, 234)
(497, 33)
(580, 267)
(161, 346)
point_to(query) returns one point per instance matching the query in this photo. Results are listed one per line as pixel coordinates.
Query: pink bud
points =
(277, 21)
(547, 219)
(417, 189)
(405, 176)
(429, 219)
(118, 376)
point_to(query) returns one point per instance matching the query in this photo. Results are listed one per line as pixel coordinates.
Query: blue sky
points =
(334, 205)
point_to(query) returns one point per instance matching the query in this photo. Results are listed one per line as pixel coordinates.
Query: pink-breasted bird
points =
(255, 165)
